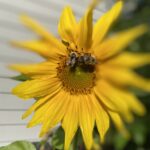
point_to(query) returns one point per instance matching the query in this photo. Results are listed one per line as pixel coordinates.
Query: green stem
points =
(45, 140)
(76, 141)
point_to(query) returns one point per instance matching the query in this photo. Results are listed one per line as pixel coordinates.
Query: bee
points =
(85, 59)
(73, 59)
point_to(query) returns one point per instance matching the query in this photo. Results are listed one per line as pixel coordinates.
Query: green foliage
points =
(120, 142)
(19, 145)
(58, 139)
(21, 77)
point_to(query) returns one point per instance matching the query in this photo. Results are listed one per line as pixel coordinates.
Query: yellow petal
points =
(119, 124)
(129, 100)
(105, 22)
(35, 88)
(35, 26)
(118, 42)
(34, 106)
(38, 116)
(42, 101)
(124, 77)
(85, 28)
(130, 60)
(112, 96)
(133, 103)
(43, 48)
(71, 121)
(57, 108)
(44, 68)
(67, 25)
(86, 120)
(102, 99)
(102, 118)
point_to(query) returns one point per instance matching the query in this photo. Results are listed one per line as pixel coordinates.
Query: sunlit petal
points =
(113, 45)
(35, 88)
(41, 31)
(103, 25)
(71, 121)
(41, 47)
(102, 118)
(86, 120)
(67, 25)
(124, 77)
(119, 124)
(85, 28)
(130, 60)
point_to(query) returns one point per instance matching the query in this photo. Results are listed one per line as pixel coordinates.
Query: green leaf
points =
(139, 133)
(20, 77)
(120, 142)
(58, 139)
(19, 145)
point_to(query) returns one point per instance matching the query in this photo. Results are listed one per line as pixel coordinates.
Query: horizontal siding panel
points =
(50, 14)
(12, 102)
(17, 6)
(12, 117)
(13, 133)
(7, 85)
(13, 23)
(11, 54)
(52, 10)
(28, 58)
(10, 35)
(12, 20)
(5, 71)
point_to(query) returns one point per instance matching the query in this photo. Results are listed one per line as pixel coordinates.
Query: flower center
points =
(77, 72)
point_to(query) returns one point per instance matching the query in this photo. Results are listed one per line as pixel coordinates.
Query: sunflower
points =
(85, 78)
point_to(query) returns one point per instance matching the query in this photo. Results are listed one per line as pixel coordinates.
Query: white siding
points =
(47, 12)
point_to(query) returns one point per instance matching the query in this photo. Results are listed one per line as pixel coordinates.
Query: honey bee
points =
(81, 60)
(73, 57)
(89, 59)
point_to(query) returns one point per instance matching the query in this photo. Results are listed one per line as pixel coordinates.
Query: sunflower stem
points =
(45, 141)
